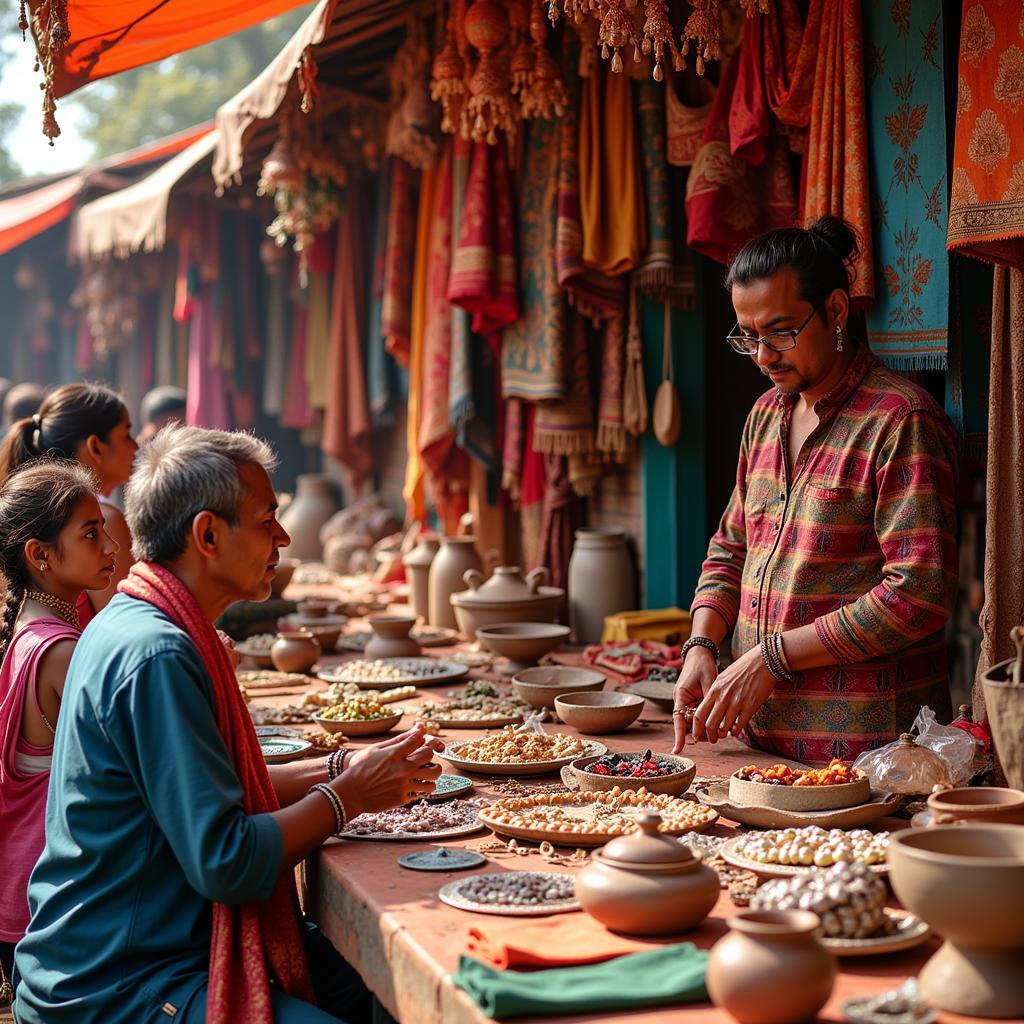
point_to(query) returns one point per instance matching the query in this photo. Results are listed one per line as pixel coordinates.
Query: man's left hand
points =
(733, 698)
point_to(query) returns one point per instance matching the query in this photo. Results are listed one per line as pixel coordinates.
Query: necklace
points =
(64, 609)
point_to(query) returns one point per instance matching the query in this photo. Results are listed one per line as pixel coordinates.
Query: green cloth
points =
(666, 976)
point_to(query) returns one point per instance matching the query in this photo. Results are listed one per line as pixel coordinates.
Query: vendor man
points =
(835, 564)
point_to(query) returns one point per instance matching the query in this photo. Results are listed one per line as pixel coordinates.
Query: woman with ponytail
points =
(53, 547)
(87, 423)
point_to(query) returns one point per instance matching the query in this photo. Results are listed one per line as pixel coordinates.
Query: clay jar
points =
(391, 637)
(314, 503)
(978, 804)
(507, 597)
(770, 968)
(457, 555)
(602, 581)
(647, 883)
(295, 651)
(417, 568)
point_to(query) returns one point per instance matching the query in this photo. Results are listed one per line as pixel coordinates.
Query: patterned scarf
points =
(567, 427)
(248, 938)
(399, 254)
(612, 438)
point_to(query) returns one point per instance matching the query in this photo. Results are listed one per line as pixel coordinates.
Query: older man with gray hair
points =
(166, 890)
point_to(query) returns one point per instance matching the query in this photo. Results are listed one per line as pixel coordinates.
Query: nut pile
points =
(642, 766)
(421, 817)
(324, 741)
(395, 670)
(511, 747)
(260, 643)
(849, 899)
(610, 813)
(814, 846)
(478, 702)
(836, 773)
(356, 709)
(519, 888)
(338, 692)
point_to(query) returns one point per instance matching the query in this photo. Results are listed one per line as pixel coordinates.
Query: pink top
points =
(22, 795)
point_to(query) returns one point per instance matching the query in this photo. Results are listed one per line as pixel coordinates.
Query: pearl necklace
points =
(68, 612)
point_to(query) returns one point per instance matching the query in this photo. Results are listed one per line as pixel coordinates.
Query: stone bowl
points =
(967, 883)
(523, 643)
(576, 776)
(595, 714)
(540, 686)
(285, 571)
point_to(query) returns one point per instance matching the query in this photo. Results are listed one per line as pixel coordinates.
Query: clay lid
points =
(506, 586)
(648, 848)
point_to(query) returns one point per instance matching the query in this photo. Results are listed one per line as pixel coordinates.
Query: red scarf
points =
(249, 937)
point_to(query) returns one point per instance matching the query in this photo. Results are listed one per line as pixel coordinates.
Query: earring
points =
(43, 567)
(839, 337)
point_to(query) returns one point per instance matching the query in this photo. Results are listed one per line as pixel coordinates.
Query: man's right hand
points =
(698, 673)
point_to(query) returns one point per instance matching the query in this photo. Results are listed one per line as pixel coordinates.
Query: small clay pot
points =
(314, 608)
(770, 968)
(980, 804)
(391, 637)
(295, 651)
(285, 571)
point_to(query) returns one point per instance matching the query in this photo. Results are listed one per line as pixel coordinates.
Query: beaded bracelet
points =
(336, 762)
(700, 641)
(773, 660)
(340, 817)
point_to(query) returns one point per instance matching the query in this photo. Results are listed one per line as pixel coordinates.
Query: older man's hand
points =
(391, 773)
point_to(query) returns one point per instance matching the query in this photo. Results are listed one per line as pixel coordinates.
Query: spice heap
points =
(478, 702)
(511, 747)
(362, 709)
(324, 741)
(518, 888)
(421, 817)
(612, 813)
(642, 766)
(849, 899)
(836, 773)
(814, 846)
(260, 643)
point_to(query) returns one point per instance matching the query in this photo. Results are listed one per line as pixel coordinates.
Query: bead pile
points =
(421, 817)
(511, 747)
(518, 888)
(814, 846)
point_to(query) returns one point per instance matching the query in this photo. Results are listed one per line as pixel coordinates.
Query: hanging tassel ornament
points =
(52, 35)
(756, 6)
(617, 30)
(544, 97)
(449, 73)
(522, 60)
(657, 35)
(489, 108)
(308, 89)
(704, 29)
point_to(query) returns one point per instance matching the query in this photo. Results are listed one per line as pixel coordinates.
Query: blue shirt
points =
(144, 831)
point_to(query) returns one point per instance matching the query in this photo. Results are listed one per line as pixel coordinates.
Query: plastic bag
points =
(902, 769)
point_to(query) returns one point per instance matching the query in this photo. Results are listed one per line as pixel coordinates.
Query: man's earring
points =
(43, 567)
(839, 337)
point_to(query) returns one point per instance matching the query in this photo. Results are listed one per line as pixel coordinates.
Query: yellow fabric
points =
(665, 625)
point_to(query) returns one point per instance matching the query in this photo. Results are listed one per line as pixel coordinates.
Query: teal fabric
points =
(668, 976)
(144, 830)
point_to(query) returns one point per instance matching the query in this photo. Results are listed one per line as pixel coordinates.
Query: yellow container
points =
(665, 625)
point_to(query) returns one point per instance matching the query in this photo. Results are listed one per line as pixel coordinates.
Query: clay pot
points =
(295, 652)
(457, 555)
(522, 643)
(596, 714)
(391, 637)
(417, 568)
(770, 968)
(1004, 705)
(647, 883)
(977, 805)
(315, 501)
(506, 597)
(540, 686)
(314, 608)
(602, 581)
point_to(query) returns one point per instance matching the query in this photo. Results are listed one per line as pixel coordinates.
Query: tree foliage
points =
(147, 103)
(10, 113)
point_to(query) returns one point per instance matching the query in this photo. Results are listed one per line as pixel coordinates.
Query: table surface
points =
(388, 922)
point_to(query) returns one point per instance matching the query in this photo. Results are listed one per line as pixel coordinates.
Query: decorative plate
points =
(448, 786)
(880, 804)
(728, 854)
(286, 731)
(907, 931)
(527, 768)
(263, 680)
(444, 859)
(278, 749)
(409, 837)
(452, 894)
(409, 671)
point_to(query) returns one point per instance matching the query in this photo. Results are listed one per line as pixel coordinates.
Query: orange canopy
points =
(108, 36)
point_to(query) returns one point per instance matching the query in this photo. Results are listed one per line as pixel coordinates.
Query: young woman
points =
(90, 424)
(53, 547)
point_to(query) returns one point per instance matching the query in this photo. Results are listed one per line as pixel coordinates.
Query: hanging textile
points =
(207, 388)
(789, 52)
(165, 369)
(297, 412)
(380, 367)
(513, 447)
(684, 124)
(970, 347)
(566, 427)
(320, 266)
(461, 403)
(909, 324)
(533, 348)
(661, 273)
(986, 209)
(1004, 526)
(612, 438)
(611, 186)
(348, 428)
(534, 487)
(399, 255)
(561, 517)
(276, 361)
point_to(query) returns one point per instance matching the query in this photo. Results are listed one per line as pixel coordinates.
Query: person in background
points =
(21, 401)
(52, 548)
(88, 423)
(167, 885)
(160, 406)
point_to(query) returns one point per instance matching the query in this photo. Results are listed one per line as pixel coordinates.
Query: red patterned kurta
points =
(860, 539)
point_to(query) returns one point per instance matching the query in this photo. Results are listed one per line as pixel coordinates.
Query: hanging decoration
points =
(521, 63)
(704, 29)
(412, 125)
(107, 297)
(544, 95)
(450, 73)
(306, 74)
(657, 36)
(489, 107)
(617, 30)
(50, 28)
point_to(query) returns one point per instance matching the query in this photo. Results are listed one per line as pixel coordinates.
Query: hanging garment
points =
(381, 371)
(276, 361)
(319, 323)
(612, 438)
(566, 426)
(207, 404)
(399, 256)
(684, 124)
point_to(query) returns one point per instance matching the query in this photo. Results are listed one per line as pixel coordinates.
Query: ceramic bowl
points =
(543, 608)
(314, 608)
(367, 727)
(540, 686)
(597, 713)
(285, 571)
(326, 636)
(799, 798)
(523, 643)
(576, 776)
(977, 805)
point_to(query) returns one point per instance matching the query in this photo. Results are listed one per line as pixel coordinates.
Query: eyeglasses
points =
(777, 341)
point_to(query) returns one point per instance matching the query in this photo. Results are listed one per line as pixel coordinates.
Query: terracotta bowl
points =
(369, 727)
(799, 798)
(326, 636)
(576, 776)
(540, 686)
(314, 608)
(967, 882)
(523, 643)
(597, 713)
(285, 571)
(977, 805)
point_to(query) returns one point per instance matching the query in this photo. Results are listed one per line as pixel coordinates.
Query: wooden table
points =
(387, 921)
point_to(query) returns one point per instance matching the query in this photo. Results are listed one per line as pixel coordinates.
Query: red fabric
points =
(632, 660)
(86, 612)
(22, 797)
(247, 938)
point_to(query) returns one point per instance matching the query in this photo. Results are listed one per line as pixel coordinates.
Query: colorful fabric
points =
(297, 412)
(22, 796)
(381, 372)
(320, 317)
(986, 208)
(534, 347)
(566, 427)
(207, 404)
(684, 124)
(860, 540)
(908, 326)
(399, 255)
(562, 515)
(252, 943)
(461, 400)
(611, 184)
(633, 660)
(612, 437)
(513, 447)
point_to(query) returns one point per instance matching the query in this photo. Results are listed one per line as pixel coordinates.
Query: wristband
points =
(771, 644)
(336, 762)
(340, 817)
(700, 641)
